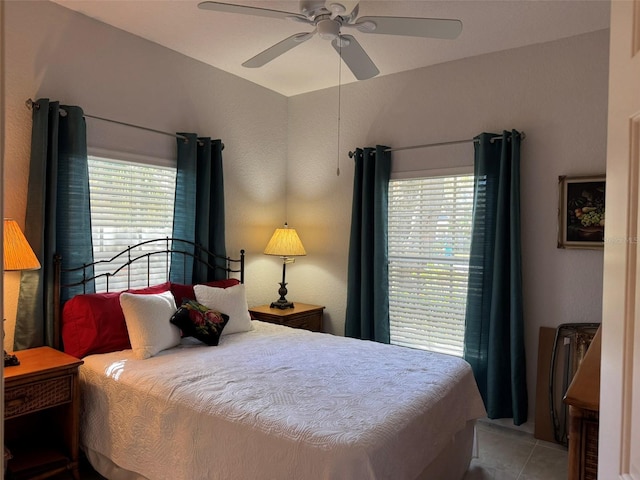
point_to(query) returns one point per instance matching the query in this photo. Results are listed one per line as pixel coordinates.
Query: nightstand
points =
(41, 413)
(301, 315)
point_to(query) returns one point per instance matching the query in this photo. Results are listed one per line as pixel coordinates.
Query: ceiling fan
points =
(329, 19)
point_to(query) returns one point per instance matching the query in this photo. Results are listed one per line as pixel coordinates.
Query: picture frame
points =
(581, 211)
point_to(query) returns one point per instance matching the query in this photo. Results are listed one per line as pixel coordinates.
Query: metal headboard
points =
(171, 248)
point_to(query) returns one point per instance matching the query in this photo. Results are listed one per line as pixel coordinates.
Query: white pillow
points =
(147, 318)
(231, 301)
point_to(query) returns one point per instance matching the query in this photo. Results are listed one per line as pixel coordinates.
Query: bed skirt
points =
(451, 464)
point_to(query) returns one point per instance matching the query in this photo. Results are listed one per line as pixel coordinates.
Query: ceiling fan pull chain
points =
(339, 100)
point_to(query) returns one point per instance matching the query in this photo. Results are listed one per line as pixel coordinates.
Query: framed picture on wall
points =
(581, 214)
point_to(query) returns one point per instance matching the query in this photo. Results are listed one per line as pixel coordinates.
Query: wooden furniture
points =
(583, 398)
(41, 412)
(543, 428)
(301, 315)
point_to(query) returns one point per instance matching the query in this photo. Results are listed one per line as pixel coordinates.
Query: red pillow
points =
(94, 323)
(180, 291)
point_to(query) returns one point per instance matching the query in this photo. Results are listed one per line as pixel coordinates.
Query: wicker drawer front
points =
(590, 449)
(37, 396)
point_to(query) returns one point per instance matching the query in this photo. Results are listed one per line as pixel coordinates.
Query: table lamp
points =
(18, 256)
(284, 243)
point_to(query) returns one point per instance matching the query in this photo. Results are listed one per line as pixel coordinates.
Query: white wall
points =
(555, 92)
(56, 53)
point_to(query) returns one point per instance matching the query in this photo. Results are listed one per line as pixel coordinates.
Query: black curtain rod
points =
(31, 104)
(439, 144)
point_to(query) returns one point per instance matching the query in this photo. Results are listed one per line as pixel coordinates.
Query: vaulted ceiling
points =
(226, 40)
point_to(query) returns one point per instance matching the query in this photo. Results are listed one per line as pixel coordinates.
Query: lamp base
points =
(282, 305)
(282, 302)
(10, 360)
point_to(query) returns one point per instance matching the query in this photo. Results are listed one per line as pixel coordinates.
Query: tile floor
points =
(508, 454)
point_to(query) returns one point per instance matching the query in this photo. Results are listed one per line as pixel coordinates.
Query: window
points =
(429, 244)
(130, 203)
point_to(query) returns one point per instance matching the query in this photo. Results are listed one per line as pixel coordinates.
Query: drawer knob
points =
(17, 402)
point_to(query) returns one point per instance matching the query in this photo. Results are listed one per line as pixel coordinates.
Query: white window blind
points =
(130, 203)
(429, 244)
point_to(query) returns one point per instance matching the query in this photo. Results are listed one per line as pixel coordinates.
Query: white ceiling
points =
(225, 40)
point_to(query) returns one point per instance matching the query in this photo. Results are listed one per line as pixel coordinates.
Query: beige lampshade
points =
(18, 254)
(285, 242)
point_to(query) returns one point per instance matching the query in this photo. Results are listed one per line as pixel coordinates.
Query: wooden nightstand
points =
(301, 315)
(583, 398)
(41, 413)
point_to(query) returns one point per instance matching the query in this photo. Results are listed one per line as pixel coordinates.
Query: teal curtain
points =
(58, 218)
(199, 207)
(494, 333)
(367, 315)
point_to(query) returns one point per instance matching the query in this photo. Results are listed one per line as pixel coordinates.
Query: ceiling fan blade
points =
(246, 10)
(412, 27)
(278, 49)
(355, 57)
(354, 13)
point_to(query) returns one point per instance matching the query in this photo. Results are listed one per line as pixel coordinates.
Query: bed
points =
(264, 401)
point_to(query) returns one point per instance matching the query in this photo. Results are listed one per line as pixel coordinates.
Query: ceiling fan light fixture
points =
(328, 29)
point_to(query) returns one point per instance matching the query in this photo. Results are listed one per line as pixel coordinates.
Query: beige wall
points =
(56, 53)
(555, 92)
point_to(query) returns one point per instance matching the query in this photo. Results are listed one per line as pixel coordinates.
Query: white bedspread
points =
(276, 403)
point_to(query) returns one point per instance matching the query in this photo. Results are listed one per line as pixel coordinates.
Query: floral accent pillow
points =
(196, 320)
